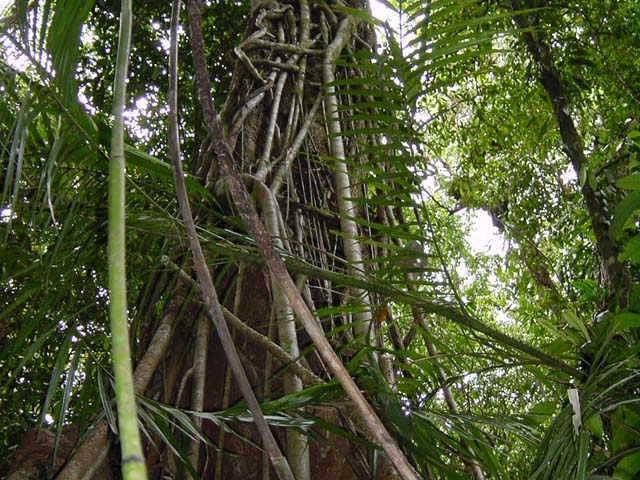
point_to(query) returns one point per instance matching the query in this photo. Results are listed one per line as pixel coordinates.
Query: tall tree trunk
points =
(283, 122)
(616, 277)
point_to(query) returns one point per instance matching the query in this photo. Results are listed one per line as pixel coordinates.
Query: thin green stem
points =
(133, 464)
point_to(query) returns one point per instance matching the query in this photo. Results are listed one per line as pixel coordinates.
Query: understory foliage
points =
(368, 146)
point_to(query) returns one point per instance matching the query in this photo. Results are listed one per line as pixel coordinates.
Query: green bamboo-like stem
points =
(133, 464)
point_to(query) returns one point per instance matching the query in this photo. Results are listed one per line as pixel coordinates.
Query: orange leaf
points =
(381, 314)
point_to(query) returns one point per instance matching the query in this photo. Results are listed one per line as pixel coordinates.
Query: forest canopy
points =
(297, 183)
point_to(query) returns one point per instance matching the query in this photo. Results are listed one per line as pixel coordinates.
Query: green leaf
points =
(623, 211)
(633, 134)
(628, 320)
(543, 411)
(583, 454)
(630, 182)
(566, 335)
(161, 426)
(593, 183)
(56, 373)
(358, 13)
(625, 425)
(632, 250)
(31, 351)
(629, 467)
(594, 425)
(584, 174)
(106, 404)
(69, 384)
(572, 319)
(63, 42)
(546, 408)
